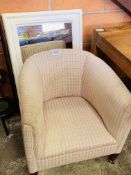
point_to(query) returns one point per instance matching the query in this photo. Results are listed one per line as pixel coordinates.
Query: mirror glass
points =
(42, 37)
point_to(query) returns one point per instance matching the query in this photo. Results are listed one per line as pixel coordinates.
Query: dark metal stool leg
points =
(5, 127)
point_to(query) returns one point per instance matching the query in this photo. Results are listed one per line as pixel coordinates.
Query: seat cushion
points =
(73, 125)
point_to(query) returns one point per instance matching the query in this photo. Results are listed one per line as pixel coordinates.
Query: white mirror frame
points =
(13, 20)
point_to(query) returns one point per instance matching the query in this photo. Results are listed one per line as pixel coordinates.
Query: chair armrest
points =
(109, 96)
(31, 103)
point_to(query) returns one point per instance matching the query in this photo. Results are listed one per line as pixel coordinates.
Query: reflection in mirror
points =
(46, 36)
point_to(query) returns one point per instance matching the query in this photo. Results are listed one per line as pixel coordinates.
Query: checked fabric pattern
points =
(73, 107)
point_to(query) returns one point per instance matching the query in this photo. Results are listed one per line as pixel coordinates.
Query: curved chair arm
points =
(106, 92)
(31, 106)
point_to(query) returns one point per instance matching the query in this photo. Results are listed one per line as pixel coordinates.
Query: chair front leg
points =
(112, 158)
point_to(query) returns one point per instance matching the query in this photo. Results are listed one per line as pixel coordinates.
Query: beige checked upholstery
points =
(31, 49)
(73, 107)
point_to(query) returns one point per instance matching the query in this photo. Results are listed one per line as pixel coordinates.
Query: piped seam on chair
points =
(60, 97)
(123, 119)
(81, 90)
(34, 151)
(123, 135)
(85, 150)
(32, 130)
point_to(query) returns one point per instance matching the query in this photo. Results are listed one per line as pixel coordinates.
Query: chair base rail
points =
(112, 158)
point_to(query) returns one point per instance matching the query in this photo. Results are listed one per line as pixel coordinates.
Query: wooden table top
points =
(115, 43)
(120, 40)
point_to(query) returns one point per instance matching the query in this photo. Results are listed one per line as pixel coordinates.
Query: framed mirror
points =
(33, 32)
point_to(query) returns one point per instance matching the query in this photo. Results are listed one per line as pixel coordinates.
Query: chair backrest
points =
(61, 72)
(31, 49)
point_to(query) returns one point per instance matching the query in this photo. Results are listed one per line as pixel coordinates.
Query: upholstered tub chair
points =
(31, 49)
(73, 108)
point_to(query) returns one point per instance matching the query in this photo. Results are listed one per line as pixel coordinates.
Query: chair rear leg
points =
(112, 158)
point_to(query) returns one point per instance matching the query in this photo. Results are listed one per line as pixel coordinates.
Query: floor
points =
(12, 159)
